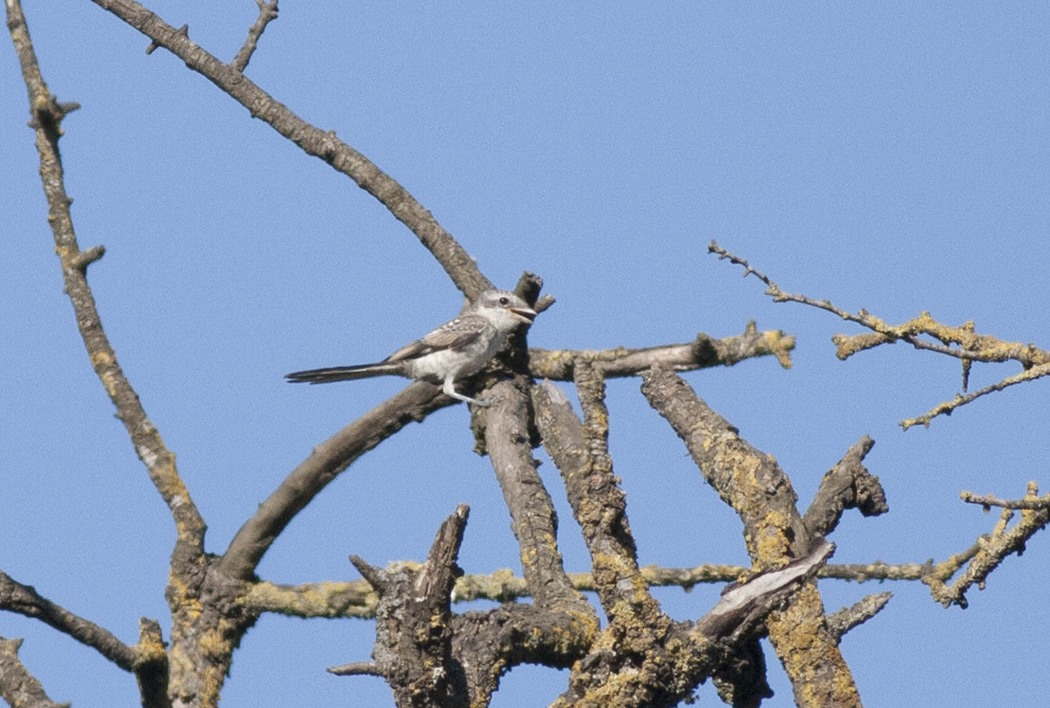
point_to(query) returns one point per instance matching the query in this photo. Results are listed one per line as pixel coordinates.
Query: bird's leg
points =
(450, 390)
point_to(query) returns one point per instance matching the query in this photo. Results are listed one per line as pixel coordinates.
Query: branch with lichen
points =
(960, 342)
(992, 549)
(757, 489)
(702, 353)
(18, 687)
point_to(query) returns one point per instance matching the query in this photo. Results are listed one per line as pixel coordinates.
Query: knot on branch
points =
(47, 114)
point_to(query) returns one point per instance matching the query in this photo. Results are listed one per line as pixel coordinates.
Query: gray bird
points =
(455, 350)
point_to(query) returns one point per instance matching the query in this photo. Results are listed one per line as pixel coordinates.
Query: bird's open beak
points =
(522, 314)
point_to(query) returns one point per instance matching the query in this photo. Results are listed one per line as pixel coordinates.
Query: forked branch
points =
(958, 342)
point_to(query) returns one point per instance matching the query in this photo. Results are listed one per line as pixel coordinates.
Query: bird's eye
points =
(504, 301)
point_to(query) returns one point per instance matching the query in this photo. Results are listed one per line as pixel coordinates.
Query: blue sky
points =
(890, 156)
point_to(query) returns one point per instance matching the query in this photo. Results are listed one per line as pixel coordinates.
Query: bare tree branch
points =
(969, 346)
(18, 687)
(47, 114)
(758, 490)
(858, 613)
(599, 505)
(993, 550)
(702, 353)
(990, 500)
(848, 485)
(460, 267)
(267, 14)
(327, 599)
(413, 649)
(25, 600)
(357, 668)
(254, 538)
(946, 408)
(534, 521)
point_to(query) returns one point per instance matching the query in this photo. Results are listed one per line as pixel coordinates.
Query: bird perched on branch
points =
(455, 350)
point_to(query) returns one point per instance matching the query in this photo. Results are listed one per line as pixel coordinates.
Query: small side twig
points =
(267, 14)
(990, 500)
(357, 668)
(946, 408)
(848, 485)
(993, 549)
(856, 614)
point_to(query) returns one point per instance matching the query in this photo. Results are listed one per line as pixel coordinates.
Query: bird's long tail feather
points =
(341, 373)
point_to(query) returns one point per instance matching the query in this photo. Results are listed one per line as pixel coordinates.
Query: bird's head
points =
(504, 309)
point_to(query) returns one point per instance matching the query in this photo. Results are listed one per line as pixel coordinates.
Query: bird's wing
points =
(454, 334)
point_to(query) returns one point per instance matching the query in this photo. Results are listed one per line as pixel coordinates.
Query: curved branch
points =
(460, 267)
(47, 115)
(254, 538)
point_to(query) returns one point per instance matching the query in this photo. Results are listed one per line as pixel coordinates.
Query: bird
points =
(457, 349)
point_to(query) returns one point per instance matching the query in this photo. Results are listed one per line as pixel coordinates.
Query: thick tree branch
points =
(254, 538)
(599, 505)
(460, 267)
(18, 687)
(413, 649)
(534, 521)
(560, 624)
(758, 490)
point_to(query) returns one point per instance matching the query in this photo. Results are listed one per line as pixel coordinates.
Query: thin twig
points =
(990, 500)
(267, 14)
(993, 549)
(947, 407)
(959, 342)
